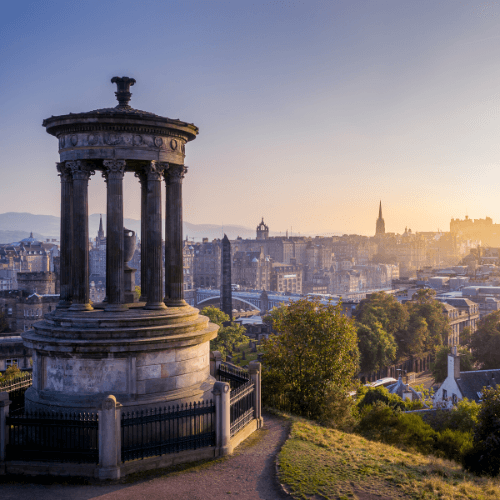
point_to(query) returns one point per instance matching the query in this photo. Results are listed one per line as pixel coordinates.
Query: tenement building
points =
(207, 263)
(34, 297)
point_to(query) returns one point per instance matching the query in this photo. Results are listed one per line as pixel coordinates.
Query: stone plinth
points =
(145, 358)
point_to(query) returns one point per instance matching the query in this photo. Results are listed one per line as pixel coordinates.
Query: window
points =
(10, 362)
(445, 394)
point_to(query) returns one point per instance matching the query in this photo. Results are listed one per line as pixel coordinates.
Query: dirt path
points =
(249, 474)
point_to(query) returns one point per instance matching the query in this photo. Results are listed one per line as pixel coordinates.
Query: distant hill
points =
(46, 225)
(15, 236)
(15, 226)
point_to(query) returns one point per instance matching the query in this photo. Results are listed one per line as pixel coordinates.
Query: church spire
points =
(380, 226)
(100, 233)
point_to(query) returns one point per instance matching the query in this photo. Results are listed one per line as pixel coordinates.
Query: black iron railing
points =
(242, 406)
(53, 437)
(16, 383)
(160, 431)
(233, 374)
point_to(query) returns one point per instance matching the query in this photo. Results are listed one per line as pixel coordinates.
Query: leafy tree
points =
(215, 315)
(485, 343)
(440, 366)
(228, 336)
(466, 336)
(414, 339)
(11, 372)
(313, 359)
(428, 326)
(386, 309)
(377, 348)
(385, 321)
(484, 458)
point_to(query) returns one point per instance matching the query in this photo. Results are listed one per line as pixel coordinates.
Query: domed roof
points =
(30, 239)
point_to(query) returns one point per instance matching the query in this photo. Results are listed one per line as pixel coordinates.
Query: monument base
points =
(144, 358)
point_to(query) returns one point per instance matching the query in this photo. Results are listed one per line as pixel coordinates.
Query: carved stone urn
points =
(129, 240)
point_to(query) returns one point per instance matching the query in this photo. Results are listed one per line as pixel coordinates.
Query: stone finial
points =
(123, 93)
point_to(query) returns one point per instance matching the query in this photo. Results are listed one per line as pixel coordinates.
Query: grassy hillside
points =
(317, 462)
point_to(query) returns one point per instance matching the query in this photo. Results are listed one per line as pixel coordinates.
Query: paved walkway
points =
(249, 474)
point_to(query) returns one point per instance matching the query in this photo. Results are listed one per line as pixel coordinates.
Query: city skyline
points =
(309, 113)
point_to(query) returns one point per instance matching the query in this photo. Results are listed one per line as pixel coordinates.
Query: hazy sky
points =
(310, 112)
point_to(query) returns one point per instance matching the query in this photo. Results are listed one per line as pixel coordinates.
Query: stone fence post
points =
(215, 361)
(222, 396)
(109, 439)
(255, 371)
(4, 435)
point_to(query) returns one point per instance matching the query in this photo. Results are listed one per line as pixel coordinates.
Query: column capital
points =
(175, 173)
(154, 170)
(64, 172)
(114, 169)
(80, 169)
(141, 175)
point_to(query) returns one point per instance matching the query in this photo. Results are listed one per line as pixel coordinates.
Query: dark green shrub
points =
(484, 456)
(413, 432)
(379, 394)
(378, 422)
(453, 444)
(465, 416)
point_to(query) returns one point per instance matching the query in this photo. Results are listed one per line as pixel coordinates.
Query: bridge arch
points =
(215, 301)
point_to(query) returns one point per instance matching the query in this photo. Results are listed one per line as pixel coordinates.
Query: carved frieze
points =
(124, 139)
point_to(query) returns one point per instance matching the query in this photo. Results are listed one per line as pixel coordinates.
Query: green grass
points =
(249, 355)
(318, 462)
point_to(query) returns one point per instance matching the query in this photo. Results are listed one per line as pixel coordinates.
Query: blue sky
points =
(309, 111)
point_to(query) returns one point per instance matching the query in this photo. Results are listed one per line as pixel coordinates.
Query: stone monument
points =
(148, 353)
(226, 296)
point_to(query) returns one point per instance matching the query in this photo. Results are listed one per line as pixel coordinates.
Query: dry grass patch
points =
(317, 462)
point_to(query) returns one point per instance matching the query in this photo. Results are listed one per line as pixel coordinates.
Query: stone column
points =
(222, 396)
(109, 439)
(81, 172)
(4, 412)
(144, 252)
(254, 369)
(154, 269)
(174, 266)
(115, 265)
(65, 260)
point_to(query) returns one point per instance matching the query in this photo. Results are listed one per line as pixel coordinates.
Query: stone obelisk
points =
(226, 299)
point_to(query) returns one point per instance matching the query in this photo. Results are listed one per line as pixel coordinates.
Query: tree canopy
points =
(388, 330)
(485, 343)
(228, 336)
(379, 322)
(428, 326)
(313, 359)
(440, 366)
(484, 458)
